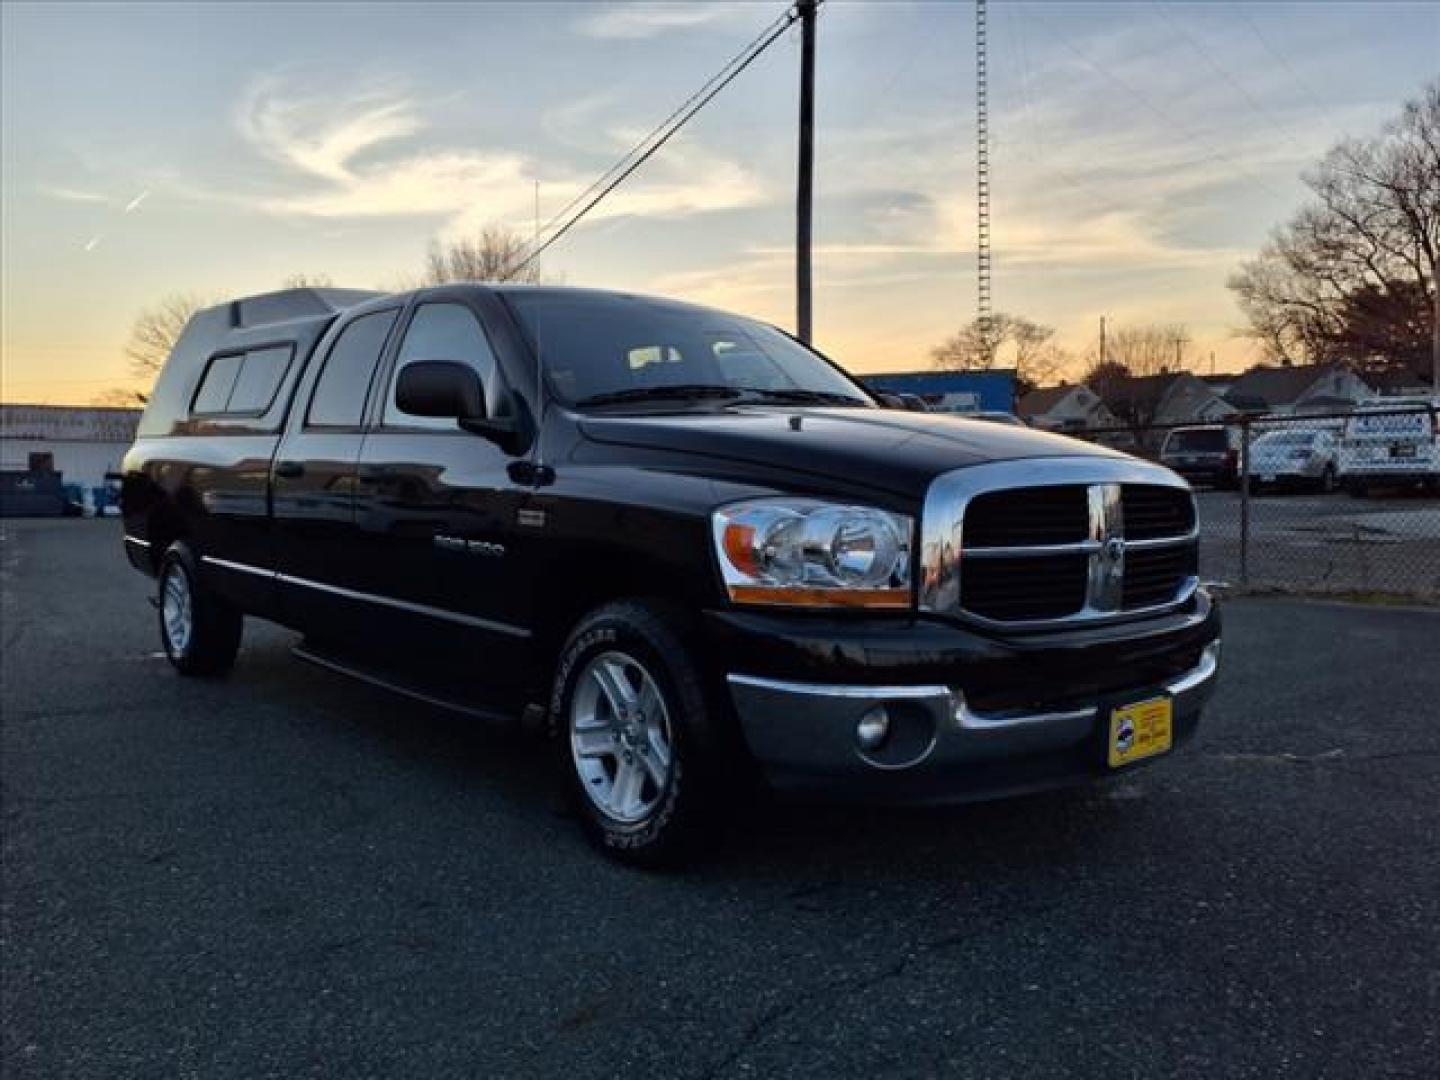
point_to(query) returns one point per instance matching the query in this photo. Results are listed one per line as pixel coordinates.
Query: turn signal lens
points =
(812, 553)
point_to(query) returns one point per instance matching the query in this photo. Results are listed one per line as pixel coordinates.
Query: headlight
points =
(814, 554)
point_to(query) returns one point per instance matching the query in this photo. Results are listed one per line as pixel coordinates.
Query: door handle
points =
(289, 470)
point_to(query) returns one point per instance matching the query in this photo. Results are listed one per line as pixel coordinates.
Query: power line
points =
(649, 136)
(647, 147)
(1265, 44)
(1208, 152)
(1259, 109)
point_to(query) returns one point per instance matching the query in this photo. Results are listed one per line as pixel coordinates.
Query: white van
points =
(1394, 442)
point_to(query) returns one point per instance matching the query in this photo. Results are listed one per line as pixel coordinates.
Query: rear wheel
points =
(639, 737)
(200, 631)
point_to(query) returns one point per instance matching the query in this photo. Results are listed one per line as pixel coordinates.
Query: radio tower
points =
(982, 183)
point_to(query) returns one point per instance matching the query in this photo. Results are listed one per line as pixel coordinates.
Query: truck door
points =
(313, 482)
(435, 509)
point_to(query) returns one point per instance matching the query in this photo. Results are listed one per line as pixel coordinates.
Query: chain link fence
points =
(1345, 503)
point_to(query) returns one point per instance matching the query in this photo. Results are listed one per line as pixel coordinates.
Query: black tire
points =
(214, 626)
(1328, 482)
(681, 814)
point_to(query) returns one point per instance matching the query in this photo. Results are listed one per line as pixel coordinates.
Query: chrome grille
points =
(1033, 544)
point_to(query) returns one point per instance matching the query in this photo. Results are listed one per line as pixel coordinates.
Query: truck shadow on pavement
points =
(494, 768)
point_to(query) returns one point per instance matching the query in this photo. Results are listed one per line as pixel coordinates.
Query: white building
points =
(82, 444)
(1065, 408)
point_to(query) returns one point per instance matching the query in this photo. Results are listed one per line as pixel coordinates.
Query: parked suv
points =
(1203, 455)
(690, 546)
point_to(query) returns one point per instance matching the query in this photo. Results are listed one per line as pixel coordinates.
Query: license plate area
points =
(1139, 730)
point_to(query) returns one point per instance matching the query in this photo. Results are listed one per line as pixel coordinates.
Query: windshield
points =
(1206, 441)
(599, 348)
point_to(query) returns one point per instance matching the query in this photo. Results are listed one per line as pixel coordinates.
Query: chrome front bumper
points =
(804, 735)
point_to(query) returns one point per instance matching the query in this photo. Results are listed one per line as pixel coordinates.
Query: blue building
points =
(952, 391)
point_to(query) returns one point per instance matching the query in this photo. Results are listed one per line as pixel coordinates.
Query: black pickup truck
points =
(695, 551)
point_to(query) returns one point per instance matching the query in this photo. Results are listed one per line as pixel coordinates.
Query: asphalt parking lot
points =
(1332, 543)
(286, 874)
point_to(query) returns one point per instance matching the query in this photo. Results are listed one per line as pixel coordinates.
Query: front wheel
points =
(639, 738)
(199, 630)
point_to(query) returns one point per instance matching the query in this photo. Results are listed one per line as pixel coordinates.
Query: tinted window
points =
(217, 383)
(1203, 442)
(444, 332)
(339, 398)
(260, 376)
(595, 344)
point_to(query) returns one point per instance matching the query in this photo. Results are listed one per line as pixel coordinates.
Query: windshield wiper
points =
(797, 396)
(677, 392)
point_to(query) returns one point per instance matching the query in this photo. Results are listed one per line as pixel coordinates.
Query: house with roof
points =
(1309, 388)
(1402, 382)
(1065, 408)
(1172, 397)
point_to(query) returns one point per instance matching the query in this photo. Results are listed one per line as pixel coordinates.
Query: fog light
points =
(873, 728)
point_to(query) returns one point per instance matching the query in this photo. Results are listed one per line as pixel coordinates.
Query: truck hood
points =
(888, 450)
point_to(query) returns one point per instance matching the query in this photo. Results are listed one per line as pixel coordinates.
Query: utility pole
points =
(1101, 361)
(806, 172)
(982, 179)
(1180, 342)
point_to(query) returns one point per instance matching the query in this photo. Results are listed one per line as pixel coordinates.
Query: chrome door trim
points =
(373, 598)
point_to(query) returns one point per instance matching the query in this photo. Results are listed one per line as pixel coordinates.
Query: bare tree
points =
(158, 327)
(1004, 341)
(1148, 349)
(496, 254)
(1354, 272)
(156, 330)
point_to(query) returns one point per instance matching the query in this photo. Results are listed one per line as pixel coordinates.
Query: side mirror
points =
(440, 388)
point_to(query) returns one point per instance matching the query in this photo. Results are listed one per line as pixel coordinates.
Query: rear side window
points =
(242, 384)
(260, 377)
(340, 392)
(217, 384)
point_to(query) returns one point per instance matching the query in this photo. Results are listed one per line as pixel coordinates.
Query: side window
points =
(217, 383)
(242, 384)
(339, 397)
(260, 377)
(443, 331)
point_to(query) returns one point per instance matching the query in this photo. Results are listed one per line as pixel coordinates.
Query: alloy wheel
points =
(621, 740)
(177, 609)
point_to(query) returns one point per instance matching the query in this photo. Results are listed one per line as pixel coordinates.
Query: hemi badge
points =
(533, 519)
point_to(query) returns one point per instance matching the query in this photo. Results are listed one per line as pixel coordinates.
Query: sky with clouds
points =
(1139, 151)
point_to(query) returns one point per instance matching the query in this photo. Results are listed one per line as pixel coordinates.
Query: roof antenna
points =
(540, 473)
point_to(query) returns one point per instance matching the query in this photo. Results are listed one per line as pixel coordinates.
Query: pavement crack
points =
(756, 1031)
